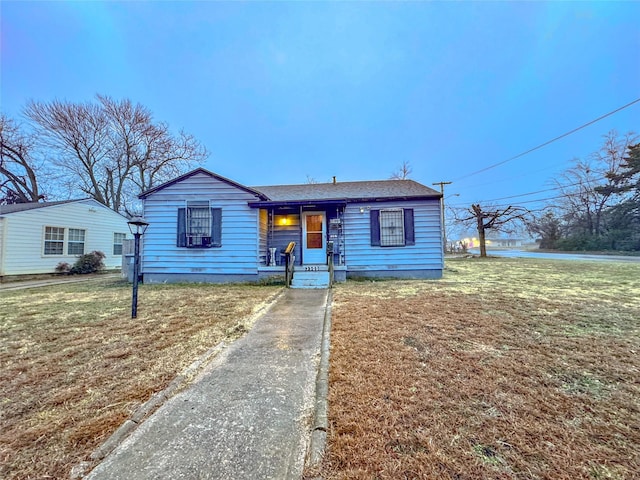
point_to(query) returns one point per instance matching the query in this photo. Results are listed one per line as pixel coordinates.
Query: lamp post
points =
(138, 226)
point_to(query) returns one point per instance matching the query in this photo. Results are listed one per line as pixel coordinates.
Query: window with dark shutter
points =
(199, 226)
(409, 229)
(182, 228)
(216, 227)
(392, 227)
(375, 228)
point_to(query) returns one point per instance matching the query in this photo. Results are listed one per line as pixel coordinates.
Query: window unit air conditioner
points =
(198, 241)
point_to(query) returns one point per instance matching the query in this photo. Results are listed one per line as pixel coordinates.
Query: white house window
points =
(53, 241)
(391, 228)
(75, 244)
(118, 240)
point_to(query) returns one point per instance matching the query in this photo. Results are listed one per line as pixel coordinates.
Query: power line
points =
(549, 141)
(537, 200)
(561, 195)
(559, 187)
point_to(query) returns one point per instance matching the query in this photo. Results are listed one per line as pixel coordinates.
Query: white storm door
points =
(314, 234)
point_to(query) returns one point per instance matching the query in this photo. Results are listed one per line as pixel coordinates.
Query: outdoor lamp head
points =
(138, 225)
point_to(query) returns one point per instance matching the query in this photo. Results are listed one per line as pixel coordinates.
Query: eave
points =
(338, 201)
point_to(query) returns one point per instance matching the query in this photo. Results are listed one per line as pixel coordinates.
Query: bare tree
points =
(548, 227)
(500, 219)
(143, 152)
(113, 149)
(403, 172)
(77, 133)
(589, 187)
(18, 178)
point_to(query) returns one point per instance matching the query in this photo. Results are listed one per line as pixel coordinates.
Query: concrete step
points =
(312, 268)
(302, 279)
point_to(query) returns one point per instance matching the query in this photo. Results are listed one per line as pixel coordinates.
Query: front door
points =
(314, 233)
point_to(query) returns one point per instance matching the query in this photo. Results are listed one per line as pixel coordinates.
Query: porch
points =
(317, 231)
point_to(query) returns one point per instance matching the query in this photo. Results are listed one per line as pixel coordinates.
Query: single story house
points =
(36, 237)
(505, 242)
(206, 228)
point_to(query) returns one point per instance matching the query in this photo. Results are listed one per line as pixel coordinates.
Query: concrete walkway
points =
(247, 416)
(45, 282)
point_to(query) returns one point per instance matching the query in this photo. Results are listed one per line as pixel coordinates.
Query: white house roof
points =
(23, 207)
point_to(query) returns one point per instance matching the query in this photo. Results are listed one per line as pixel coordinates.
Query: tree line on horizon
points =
(596, 207)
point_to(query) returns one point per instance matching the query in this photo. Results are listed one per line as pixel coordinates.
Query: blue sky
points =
(278, 91)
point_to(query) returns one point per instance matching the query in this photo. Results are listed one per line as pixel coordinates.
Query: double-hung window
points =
(75, 244)
(392, 227)
(54, 241)
(59, 239)
(199, 225)
(118, 241)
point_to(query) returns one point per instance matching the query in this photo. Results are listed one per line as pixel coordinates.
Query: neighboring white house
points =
(35, 237)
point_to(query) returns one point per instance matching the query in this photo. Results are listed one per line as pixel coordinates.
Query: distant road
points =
(556, 256)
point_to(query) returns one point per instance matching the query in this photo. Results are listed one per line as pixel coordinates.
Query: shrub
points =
(63, 267)
(89, 263)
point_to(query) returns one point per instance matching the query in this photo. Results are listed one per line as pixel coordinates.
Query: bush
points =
(89, 263)
(63, 267)
(614, 240)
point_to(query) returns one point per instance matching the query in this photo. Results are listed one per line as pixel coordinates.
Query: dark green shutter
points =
(409, 231)
(216, 227)
(375, 228)
(182, 233)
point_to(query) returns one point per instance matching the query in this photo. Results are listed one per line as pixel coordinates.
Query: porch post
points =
(301, 239)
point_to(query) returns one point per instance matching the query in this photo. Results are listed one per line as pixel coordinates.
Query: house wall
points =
(236, 260)
(422, 260)
(2, 227)
(263, 226)
(282, 235)
(22, 243)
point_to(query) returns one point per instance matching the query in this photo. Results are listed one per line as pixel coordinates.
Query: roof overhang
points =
(296, 203)
(342, 201)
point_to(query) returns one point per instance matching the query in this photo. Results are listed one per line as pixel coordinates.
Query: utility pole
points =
(444, 229)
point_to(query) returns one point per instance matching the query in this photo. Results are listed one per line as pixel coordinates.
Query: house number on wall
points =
(311, 269)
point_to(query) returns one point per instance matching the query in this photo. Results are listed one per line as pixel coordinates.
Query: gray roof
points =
(21, 207)
(348, 191)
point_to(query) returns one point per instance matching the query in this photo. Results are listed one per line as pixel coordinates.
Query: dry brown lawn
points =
(505, 369)
(74, 365)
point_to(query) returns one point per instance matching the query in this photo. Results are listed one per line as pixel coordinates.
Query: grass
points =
(504, 369)
(75, 365)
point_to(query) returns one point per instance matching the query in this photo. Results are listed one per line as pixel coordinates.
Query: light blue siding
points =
(247, 234)
(238, 255)
(283, 234)
(263, 226)
(425, 256)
